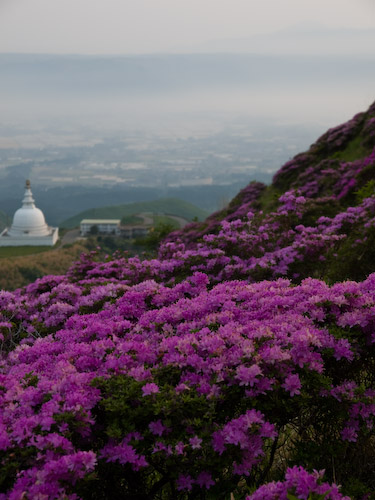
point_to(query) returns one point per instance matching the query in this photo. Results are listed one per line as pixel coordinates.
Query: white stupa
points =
(29, 227)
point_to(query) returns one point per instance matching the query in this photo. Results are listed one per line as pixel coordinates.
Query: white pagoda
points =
(29, 227)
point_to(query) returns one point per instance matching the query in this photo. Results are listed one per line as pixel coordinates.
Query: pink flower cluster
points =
(301, 484)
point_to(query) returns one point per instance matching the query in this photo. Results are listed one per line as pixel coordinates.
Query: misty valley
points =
(74, 169)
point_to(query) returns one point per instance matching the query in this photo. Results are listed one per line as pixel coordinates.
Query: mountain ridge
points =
(346, 143)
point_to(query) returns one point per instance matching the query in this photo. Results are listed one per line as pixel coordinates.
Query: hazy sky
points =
(148, 26)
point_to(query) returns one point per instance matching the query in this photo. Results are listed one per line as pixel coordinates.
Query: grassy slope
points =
(9, 252)
(19, 271)
(164, 219)
(171, 206)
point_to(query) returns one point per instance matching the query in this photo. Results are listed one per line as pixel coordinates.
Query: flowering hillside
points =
(239, 364)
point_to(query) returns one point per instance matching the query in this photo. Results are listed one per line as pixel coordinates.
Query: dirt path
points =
(147, 219)
(70, 237)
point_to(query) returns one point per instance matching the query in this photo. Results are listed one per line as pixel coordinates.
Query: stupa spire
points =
(28, 200)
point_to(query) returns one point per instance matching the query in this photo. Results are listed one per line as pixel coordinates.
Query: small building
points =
(29, 227)
(140, 232)
(129, 232)
(104, 226)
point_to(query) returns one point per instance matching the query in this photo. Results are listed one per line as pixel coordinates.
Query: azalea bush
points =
(282, 243)
(184, 391)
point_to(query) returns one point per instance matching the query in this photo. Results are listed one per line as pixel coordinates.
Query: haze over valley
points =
(99, 130)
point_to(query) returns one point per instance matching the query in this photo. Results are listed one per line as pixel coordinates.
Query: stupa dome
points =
(29, 227)
(29, 220)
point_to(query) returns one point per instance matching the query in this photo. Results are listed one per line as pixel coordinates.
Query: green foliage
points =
(164, 219)
(155, 236)
(111, 244)
(131, 220)
(30, 380)
(353, 150)
(318, 208)
(366, 175)
(30, 273)
(312, 496)
(268, 200)
(366, 191)
(353, 258)
(123, 409)
(12, 461)
(355, 488)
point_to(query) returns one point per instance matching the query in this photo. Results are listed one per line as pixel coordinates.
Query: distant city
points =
(150, 163)
(151, 159)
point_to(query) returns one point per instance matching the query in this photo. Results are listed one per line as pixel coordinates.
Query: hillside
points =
(169, 206)
(239, 363)
(17, 271)
(324, 190)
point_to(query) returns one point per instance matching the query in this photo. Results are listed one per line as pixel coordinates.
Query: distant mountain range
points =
(302, 40)
(28, 77)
